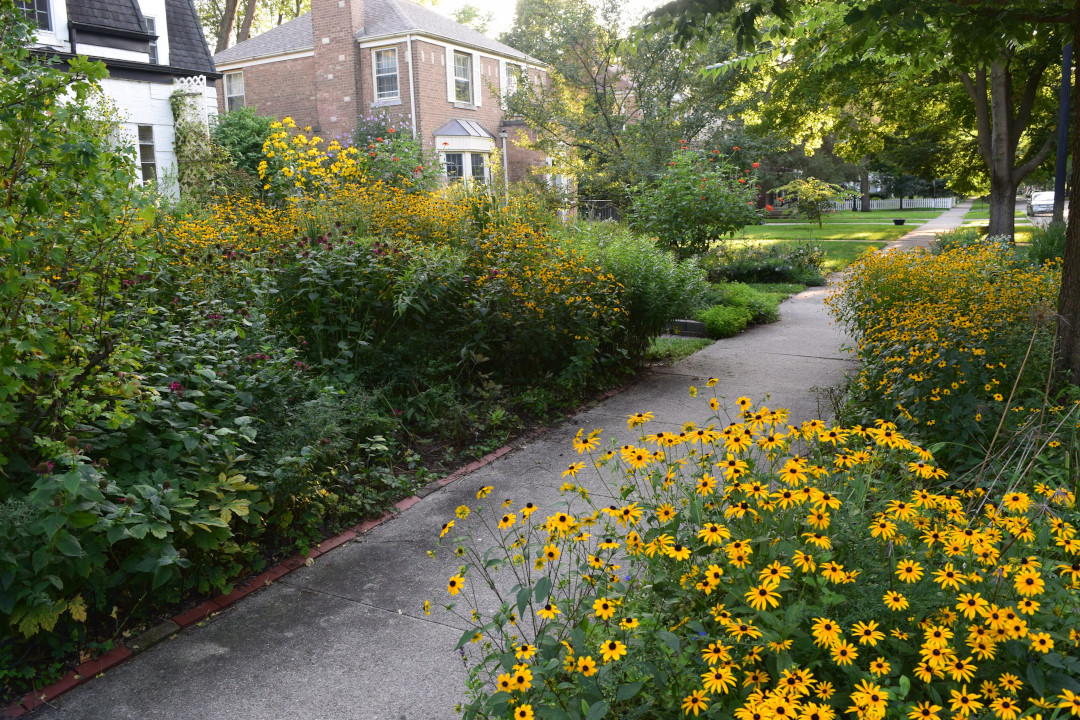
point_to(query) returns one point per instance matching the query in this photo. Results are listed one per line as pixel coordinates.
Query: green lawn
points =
(831, 231)
(876, 216)
(838, 255)
(979, 216)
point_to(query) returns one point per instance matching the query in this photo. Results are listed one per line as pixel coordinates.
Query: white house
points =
(151, 49)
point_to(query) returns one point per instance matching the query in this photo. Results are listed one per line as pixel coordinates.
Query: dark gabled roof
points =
(289, 37)
(382, 18)
(120, 15)
(187, 44)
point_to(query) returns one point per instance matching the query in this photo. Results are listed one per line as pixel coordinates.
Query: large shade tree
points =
(1004, 55)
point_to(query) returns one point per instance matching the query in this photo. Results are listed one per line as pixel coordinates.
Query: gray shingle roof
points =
(463, 128)
(113, 14)
(393, 17)
(187, 44)
(292, 36)
(381, 18)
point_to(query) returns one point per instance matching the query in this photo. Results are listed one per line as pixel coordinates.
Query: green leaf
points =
(670, 639)
(68, 545)
(905, 686)
(523, 597)
(627, 691)
(597, 710)
(543, 589)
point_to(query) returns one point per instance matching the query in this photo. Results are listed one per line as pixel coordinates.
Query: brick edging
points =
(92, 668)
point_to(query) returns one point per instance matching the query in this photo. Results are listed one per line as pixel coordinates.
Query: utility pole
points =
(1063, 135)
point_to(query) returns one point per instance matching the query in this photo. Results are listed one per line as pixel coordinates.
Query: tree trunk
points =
(228, 18)
(1068, 318)
(245, 25)
(1002, 207)
(864, 183)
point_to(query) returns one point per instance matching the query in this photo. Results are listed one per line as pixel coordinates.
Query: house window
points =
(234, 91)
(463, 77)
(514, 76)
(386, 75)
(478, 167)
(150, 24)
(37, 11)
(147, 162)
(455, 165)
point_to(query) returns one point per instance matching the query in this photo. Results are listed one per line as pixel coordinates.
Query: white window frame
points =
(150, 25)
(379, 97)
(466, 166)
(147, 154)
(229, 97)
(34, 9)
(469, 79)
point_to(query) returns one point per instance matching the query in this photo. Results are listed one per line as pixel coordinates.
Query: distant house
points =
(151, 48)
(348, 58)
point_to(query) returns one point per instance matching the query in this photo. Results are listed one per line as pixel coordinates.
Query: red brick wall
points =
(435, 109)
(303, 90)
(337, 64)
(367, 82)
(282, 89)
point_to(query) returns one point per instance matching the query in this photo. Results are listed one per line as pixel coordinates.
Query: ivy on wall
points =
(200, 162)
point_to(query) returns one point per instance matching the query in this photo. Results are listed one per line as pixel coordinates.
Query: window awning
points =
(460, 135)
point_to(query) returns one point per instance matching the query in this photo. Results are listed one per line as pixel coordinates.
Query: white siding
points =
(143, 103)
(156, 10)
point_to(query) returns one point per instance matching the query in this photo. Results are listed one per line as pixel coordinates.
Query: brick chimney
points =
(337, 64)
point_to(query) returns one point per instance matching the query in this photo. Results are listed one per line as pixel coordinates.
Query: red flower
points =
(768, 207)
(736, 147)
(742, 180)
(391, 130)
(755, 165)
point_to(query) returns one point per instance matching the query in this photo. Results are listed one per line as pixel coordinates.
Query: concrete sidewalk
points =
(924, 234)
(347, 639)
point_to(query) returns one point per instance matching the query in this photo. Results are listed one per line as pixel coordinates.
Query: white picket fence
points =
(945, 203)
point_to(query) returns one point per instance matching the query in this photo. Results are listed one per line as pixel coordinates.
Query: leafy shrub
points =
(1047, 244)
(243, 132)
(658, 288)
(764, 307)
(854, 584)
(799, 263)
(723, 321)
(966, 237)
(700, 198)
(943, 340)
(393, 155)
(812, 198)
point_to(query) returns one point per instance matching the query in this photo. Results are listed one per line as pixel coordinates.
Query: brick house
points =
(348, 58)
(152, 49)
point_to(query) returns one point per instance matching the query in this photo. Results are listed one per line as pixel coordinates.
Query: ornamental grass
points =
(761, 570)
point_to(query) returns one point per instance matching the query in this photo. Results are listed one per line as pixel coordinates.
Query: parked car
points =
(1040, 202)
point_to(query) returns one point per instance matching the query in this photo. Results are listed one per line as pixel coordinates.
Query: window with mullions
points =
(386, 75)
(147, 159)
(455, 165)
(234, 91)
(37, 11)
(151, 27)
(463, 77)
(478, 167)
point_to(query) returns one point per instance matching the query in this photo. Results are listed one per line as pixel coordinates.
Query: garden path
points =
(347, 638)
(924, 234)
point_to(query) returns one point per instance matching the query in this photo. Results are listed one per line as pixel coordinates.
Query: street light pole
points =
(1063, 135)
(506, 167)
